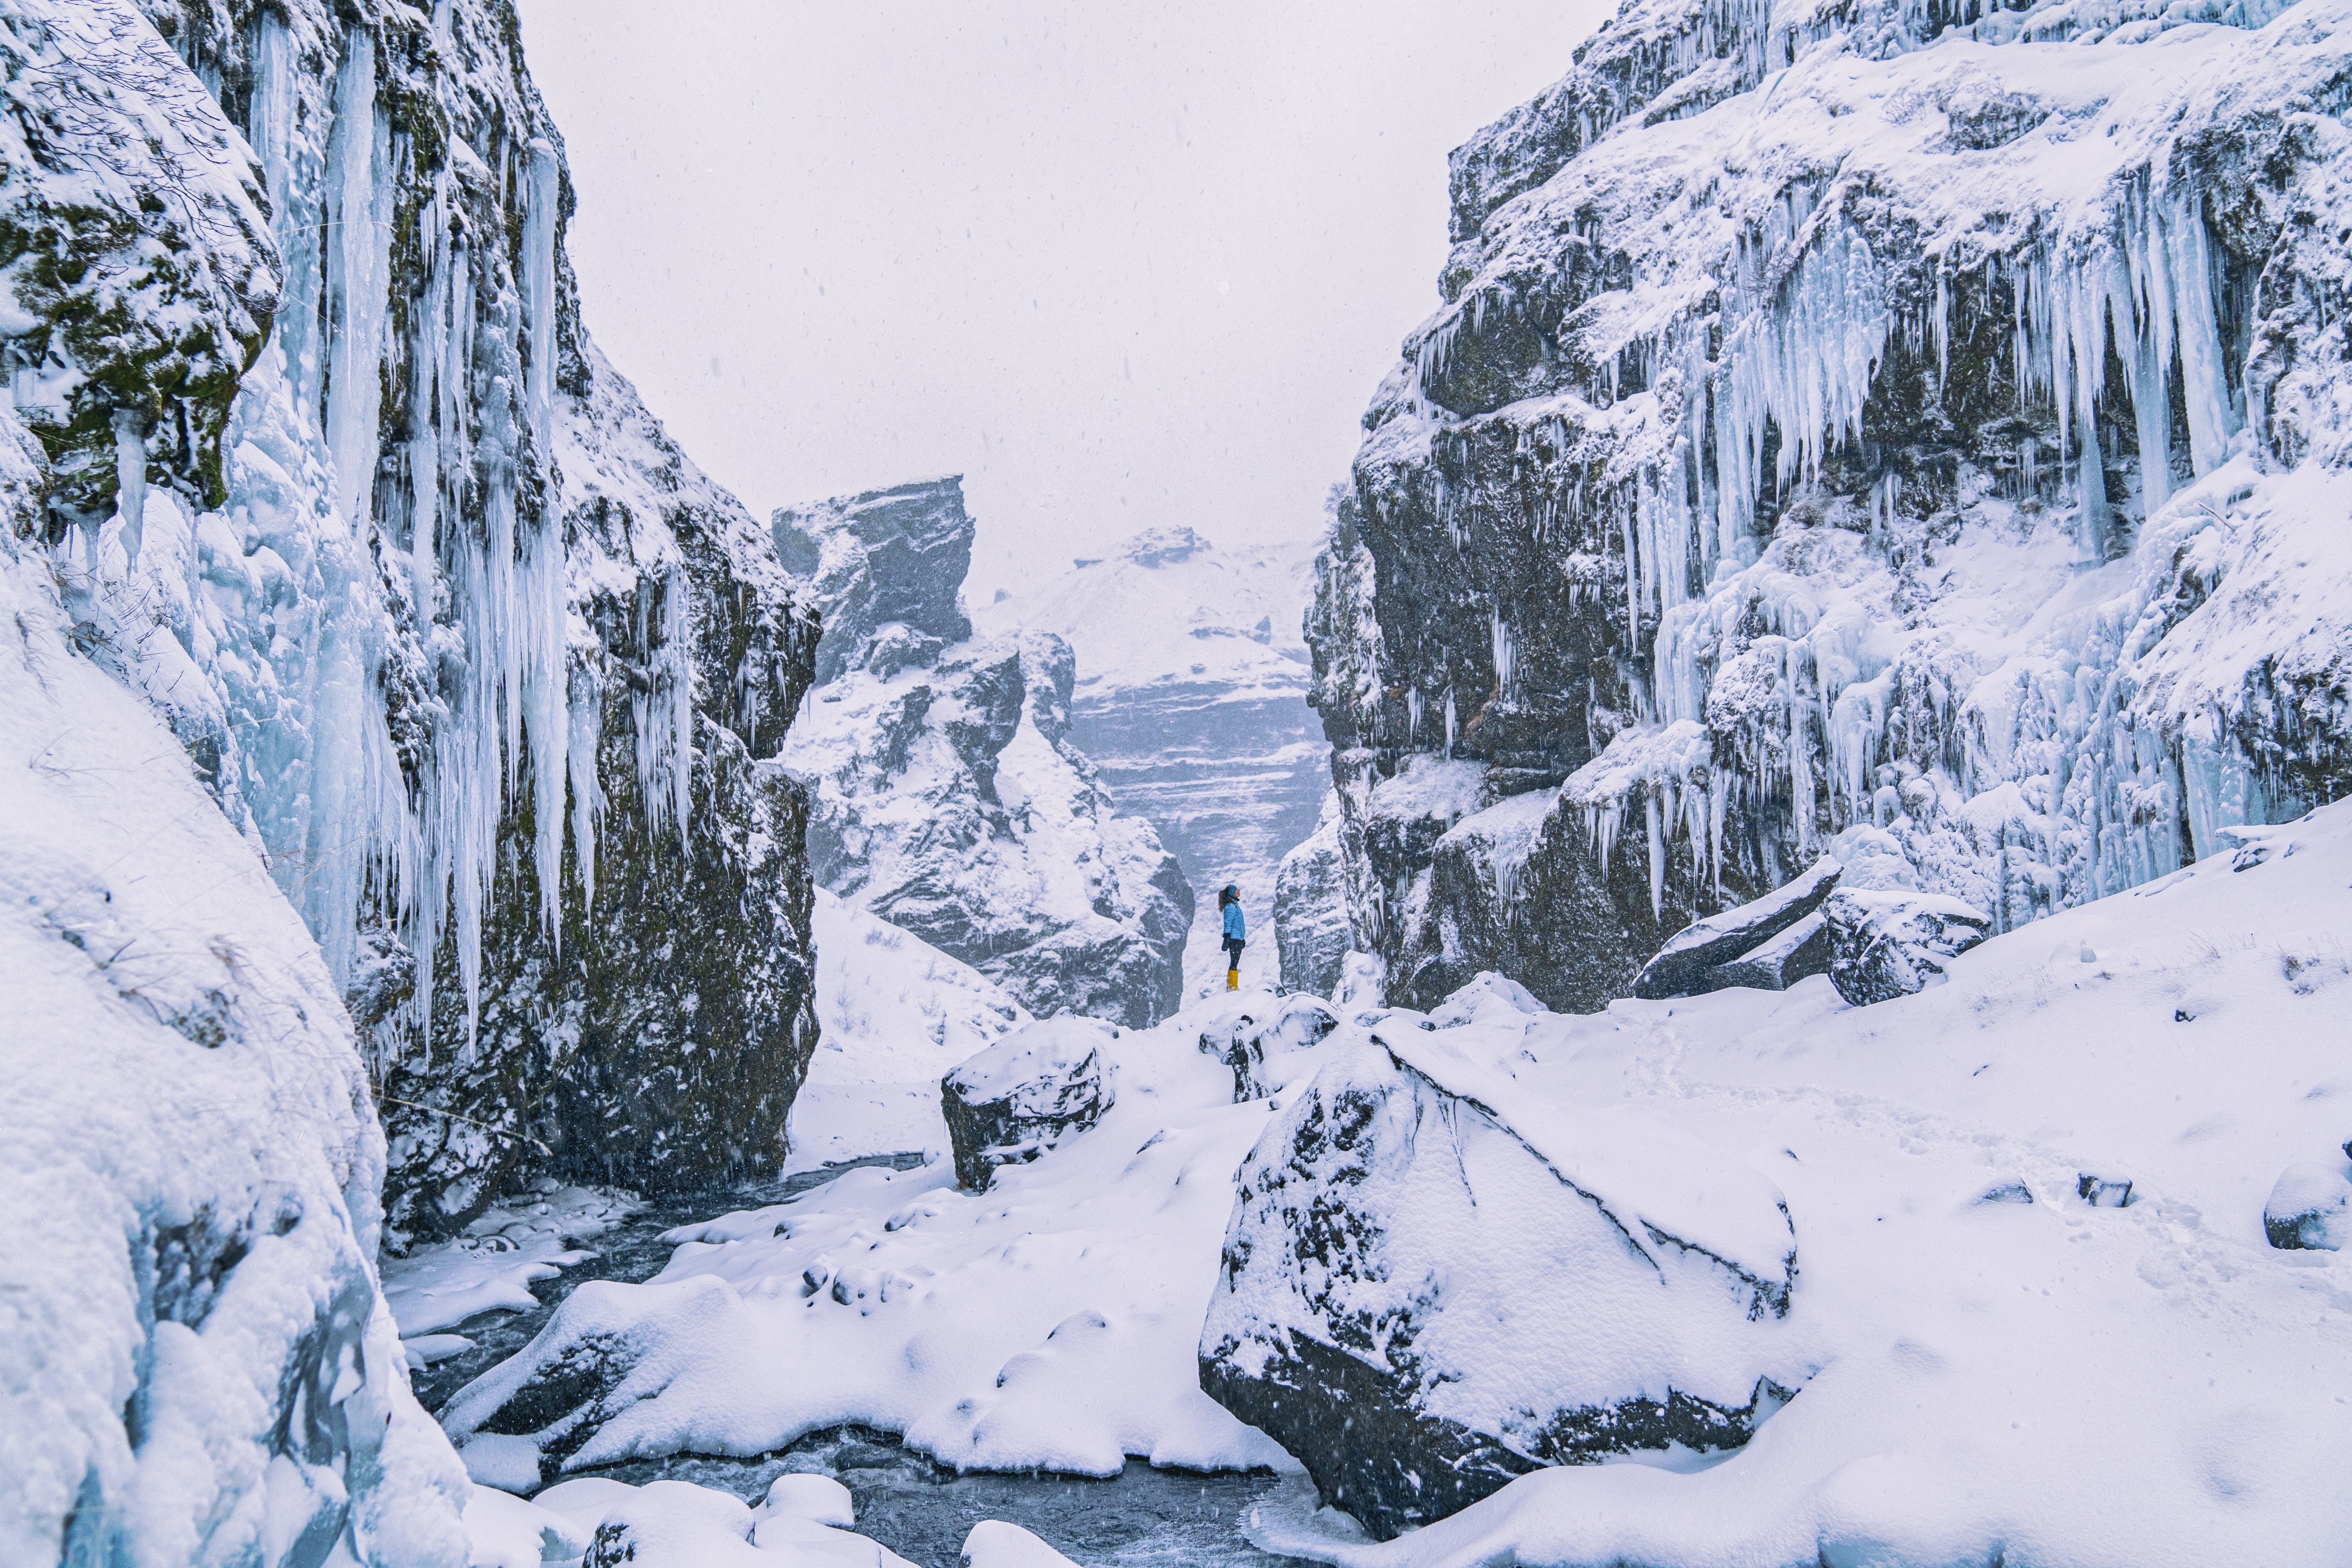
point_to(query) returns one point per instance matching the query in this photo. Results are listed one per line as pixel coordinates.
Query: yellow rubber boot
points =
(1233, 979)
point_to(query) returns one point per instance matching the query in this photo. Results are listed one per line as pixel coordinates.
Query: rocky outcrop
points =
(1191, 698)
(946, 794)
(1913, 442)
(1040, 1084)
(456, 637)
(1382, 1232)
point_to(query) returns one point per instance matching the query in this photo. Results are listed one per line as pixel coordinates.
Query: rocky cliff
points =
(460, 641)
(1918, 422)
(946, 795)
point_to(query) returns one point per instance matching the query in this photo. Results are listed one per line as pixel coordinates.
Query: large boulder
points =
(1424, 1296)
(1687, 965)
(1011, 1102)
(1891, 942)
(2311, 1207)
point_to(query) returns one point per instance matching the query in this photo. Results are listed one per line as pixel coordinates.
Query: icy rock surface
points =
(2310, 1206)
(1191, 698)
(1422, 1301)
(1681, 967)
(455, 636)
(1888, 944)
(946, 795)
(196, 1365)
(1042, 1083)
(1931, 419)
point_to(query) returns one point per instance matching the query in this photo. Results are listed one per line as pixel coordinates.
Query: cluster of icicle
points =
(345, 826)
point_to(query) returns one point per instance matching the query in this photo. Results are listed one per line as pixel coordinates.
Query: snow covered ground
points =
(896, 1013)
(1995, 1354)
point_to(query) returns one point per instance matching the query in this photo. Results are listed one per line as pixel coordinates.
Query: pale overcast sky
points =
(1120, 264)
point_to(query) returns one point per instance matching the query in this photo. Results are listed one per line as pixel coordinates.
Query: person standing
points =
(1236, 934)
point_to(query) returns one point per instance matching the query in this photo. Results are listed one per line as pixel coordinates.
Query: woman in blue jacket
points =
(1230, 902)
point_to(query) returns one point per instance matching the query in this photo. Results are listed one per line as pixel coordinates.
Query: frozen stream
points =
(914, 1506)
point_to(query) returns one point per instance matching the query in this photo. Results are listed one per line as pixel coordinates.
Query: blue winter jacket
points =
(1233, 920)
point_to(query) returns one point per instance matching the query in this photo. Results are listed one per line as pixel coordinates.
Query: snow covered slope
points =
(196, 1366)
(2034, 1315)
(895, 1014)
(946, 795)
(1928, 418)
(1191, 697)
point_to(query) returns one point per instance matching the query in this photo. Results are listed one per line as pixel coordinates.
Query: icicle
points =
(357, 280)
(131, 485)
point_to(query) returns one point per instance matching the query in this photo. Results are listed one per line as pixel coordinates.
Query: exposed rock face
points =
(1913, 442)
(1888, 944)
(2310, 1206)
(947, 796)
(1395, 1214)
(887, 558)
(1191, 697)
(1685, 965)
(1023, 1095)
(455, 634)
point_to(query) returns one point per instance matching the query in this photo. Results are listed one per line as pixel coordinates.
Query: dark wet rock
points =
(1254, 1045)
(2006, 1192)
(1681, 967)
(2310, 1206)
(1040, 1084)
(1802, 951)
(1386, 1223)
(1890, 943)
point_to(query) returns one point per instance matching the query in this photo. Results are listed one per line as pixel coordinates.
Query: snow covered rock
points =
(1666, 511)
(196, 1365)
(947, 797)
(2310, 1206)
(1258, 1046)
(1312, 933)
(1037, 1085)
(993, 1543)
(1428, 1291)
(1682, 967)
(1885, 944)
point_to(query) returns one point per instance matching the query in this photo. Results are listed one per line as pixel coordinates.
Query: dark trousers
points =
(1234, 946)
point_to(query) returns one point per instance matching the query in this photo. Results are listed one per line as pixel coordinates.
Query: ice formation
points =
(1874, 417)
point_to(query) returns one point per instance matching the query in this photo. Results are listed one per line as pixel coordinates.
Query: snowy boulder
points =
(2310, 1206)
(1487, 998)
(1684, 966)
(1423, 1296)
(1256, 1048)
(1885, 944)
(1800, 951)
(1015, 1100)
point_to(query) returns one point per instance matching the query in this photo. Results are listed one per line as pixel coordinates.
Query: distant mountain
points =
(1191, 699)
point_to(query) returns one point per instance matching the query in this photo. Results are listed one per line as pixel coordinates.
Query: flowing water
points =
(917, 1508)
